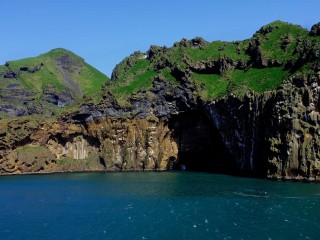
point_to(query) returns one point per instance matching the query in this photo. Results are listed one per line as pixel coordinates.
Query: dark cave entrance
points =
(200, 144)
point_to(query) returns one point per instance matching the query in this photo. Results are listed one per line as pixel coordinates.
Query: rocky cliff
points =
(248, 107)
(106, 144)
(274, 134)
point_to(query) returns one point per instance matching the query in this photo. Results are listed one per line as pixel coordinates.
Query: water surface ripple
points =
(170, 205)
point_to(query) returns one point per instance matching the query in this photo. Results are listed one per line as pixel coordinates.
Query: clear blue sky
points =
(103, 32)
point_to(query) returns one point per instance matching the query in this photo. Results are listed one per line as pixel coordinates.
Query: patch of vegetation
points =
(176, 55)
(139, 66)
(279, 40)
(276, 41)
(166, 73)
(216, 49)
(89, 79)
(37, 81)
(30, 149)
(214, 86)
(260, 80)
(68, 164)
(63, 161)
(305, 70)
(240, 81)
(141, 81)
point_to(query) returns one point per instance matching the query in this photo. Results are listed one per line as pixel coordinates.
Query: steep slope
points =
(247, 107)
(47, 83)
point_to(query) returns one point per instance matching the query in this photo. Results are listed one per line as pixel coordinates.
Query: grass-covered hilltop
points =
(261, 63)
(60, 79)
(246, 107)
(45, 84)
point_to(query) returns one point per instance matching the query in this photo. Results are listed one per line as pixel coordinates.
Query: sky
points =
(104, 32)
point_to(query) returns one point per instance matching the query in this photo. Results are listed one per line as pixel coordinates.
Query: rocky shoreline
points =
(272, 134)
(268, 178)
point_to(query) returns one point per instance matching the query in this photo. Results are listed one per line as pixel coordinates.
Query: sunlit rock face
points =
(274, 134)
(136, 144)
(195, 112)
(107, 144)
(76, 148)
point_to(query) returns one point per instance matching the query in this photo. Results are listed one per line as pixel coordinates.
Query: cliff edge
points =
(246, 107)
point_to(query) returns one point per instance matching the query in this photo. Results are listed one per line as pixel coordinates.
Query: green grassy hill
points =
(219, 68)
(47, 83)
(59, 79)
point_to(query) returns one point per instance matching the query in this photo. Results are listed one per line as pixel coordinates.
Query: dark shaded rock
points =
(199, 139)
(13, 85)
(163, 100)
(12, 110)
(32, 69)
(315, 30)
(68, 62)
(24, 69)
(272, 134)
(217, 66)
(285, 42)
(257, 58)
(67, 65)
(266, 29)
(155, 50)
(196, 42)
(18, 102)
(10, 74)
(183, 43)
(61, 99)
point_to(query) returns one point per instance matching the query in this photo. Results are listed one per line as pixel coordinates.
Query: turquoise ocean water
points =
(171, 205)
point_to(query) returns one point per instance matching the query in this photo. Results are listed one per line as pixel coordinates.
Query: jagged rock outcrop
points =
(59, 98)
(315, 30)
(196, 42)
(273, 134)
(219, 66)
(32, 69)
(161, 101)
(167, 123)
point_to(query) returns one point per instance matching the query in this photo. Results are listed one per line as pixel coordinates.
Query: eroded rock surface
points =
(275, 133)
(169, 125)
(106, 144)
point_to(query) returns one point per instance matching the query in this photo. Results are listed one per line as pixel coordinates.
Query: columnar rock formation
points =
(273, 134)
(172, 122)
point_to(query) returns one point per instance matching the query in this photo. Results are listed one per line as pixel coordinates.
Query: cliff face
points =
(273, 134)
(254, 112)
(107, 144)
